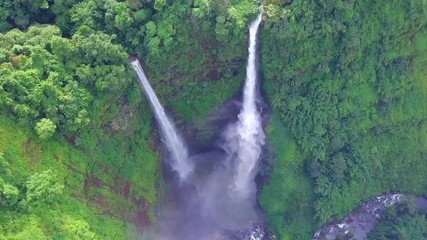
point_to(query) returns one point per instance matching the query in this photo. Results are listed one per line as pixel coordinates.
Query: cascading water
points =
(247, 136)
(173, 141)
(219, 200)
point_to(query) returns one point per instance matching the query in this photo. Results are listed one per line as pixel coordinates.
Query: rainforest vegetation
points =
(346, 82)
(402, 221)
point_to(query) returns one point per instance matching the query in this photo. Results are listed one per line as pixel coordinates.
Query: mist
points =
(212, 194)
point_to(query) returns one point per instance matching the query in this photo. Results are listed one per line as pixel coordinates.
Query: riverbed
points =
(363, 219)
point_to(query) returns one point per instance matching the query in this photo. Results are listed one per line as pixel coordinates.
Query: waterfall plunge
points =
(246, 137)
(171, 137)
(221, 202)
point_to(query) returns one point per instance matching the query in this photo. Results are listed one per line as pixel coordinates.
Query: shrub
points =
(43, 188)
(45, 128)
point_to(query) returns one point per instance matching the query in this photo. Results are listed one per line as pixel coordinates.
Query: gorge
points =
(224, 202)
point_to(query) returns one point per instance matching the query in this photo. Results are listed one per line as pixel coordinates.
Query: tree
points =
(44, 75)
(159, 4)
(338, 167)
(5, 9)
(4, 167)
(45, 128)
(43, 188)
(405, 227)
(8, 194)
(86, 13)
(414, 227)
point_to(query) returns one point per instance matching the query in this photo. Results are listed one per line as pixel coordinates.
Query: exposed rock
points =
(361, 221)
(122, 120)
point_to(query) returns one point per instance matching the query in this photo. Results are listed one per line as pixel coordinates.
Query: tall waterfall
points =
(248, 134)
(219, 199)
(173, 141)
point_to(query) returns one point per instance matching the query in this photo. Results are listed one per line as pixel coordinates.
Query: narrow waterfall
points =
(248, 132)
(173, 141)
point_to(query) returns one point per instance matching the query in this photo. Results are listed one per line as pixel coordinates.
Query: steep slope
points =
(92, 171)
(348, 80)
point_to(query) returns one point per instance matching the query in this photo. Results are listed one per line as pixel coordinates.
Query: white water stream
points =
(247, 135)
(218, 208)
(175, 144)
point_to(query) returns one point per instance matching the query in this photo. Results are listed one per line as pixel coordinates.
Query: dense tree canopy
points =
(401, 221)
(69, 82)
(45, 128)
(348, 80)
(50, 80)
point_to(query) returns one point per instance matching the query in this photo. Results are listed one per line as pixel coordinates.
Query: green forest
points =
(401, 221)
(346, 82)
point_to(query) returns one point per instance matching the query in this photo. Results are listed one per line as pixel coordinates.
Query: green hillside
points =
(348, 80)
(80, 155)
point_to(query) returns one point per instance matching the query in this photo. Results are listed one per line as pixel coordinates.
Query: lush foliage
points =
(348, 79)
(42, 187)
(79, 178)
(401, 221)
(287, 197)
(70, 85)
(49, 81)
(75, 190)
(345, 78)
(45, 128)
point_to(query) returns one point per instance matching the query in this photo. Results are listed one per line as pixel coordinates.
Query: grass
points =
(196, 101)
(287, 198)
(86, 210)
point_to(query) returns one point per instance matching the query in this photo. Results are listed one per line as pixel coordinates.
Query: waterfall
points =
(247, 134)
(220, 197)
(173, 141)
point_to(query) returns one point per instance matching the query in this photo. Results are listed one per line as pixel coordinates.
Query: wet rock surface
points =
(361, 221)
